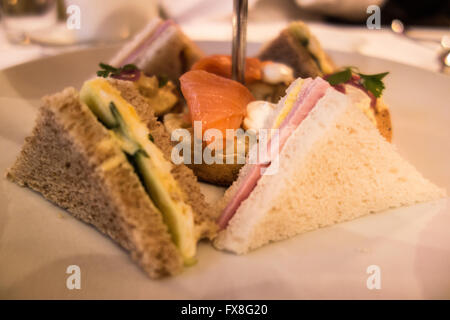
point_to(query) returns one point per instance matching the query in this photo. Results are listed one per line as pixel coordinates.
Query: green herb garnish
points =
(150, 137)
(340, 77)
(108, 70)
(371, 82)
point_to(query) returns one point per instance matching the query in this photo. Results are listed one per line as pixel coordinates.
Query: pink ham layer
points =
(310, 93)
(146, 42)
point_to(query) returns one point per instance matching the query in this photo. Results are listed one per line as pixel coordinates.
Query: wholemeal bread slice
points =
(297, 47)
(203, 216)
(72, 160)
(285, 49)
(334, 167)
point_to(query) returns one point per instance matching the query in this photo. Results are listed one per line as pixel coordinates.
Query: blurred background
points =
(412, 32)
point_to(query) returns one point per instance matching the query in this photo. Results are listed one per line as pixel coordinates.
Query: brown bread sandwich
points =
(102, 155)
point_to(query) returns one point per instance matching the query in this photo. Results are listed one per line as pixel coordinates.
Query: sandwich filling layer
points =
(144, 43)
(133, 136)
(290, 113)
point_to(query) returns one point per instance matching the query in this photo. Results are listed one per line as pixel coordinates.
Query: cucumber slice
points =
(176, 213)
(149, 162)
(123, 133)
(97, 106)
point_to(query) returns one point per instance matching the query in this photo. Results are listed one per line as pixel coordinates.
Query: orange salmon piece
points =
(220, 65)
(217, 102)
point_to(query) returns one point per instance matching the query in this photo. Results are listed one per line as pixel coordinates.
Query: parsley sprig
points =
(374, 83)
(110, 71)
(371, 82)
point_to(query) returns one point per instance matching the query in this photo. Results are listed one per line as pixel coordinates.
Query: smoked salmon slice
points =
(220, 65)
(217, 102)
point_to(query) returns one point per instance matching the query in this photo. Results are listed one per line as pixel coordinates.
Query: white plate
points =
(411, 246)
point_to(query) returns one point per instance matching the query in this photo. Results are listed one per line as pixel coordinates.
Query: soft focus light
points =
(397, 26)
(445, 42)
(447, 60)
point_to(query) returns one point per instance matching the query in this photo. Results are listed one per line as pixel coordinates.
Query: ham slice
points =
(305, 103)
(307, 98)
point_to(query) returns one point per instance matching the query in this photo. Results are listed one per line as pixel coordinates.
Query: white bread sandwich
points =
(102, 155)
(160, 49)
(365, 91)
(297, 47)
(333, 166)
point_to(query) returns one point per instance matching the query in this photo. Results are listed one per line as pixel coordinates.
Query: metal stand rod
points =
(240, 9)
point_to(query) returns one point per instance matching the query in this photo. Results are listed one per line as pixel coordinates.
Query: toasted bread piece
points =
(222, 174)
(218, 174)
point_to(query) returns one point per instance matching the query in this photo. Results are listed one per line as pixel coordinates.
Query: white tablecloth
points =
(266, 19)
